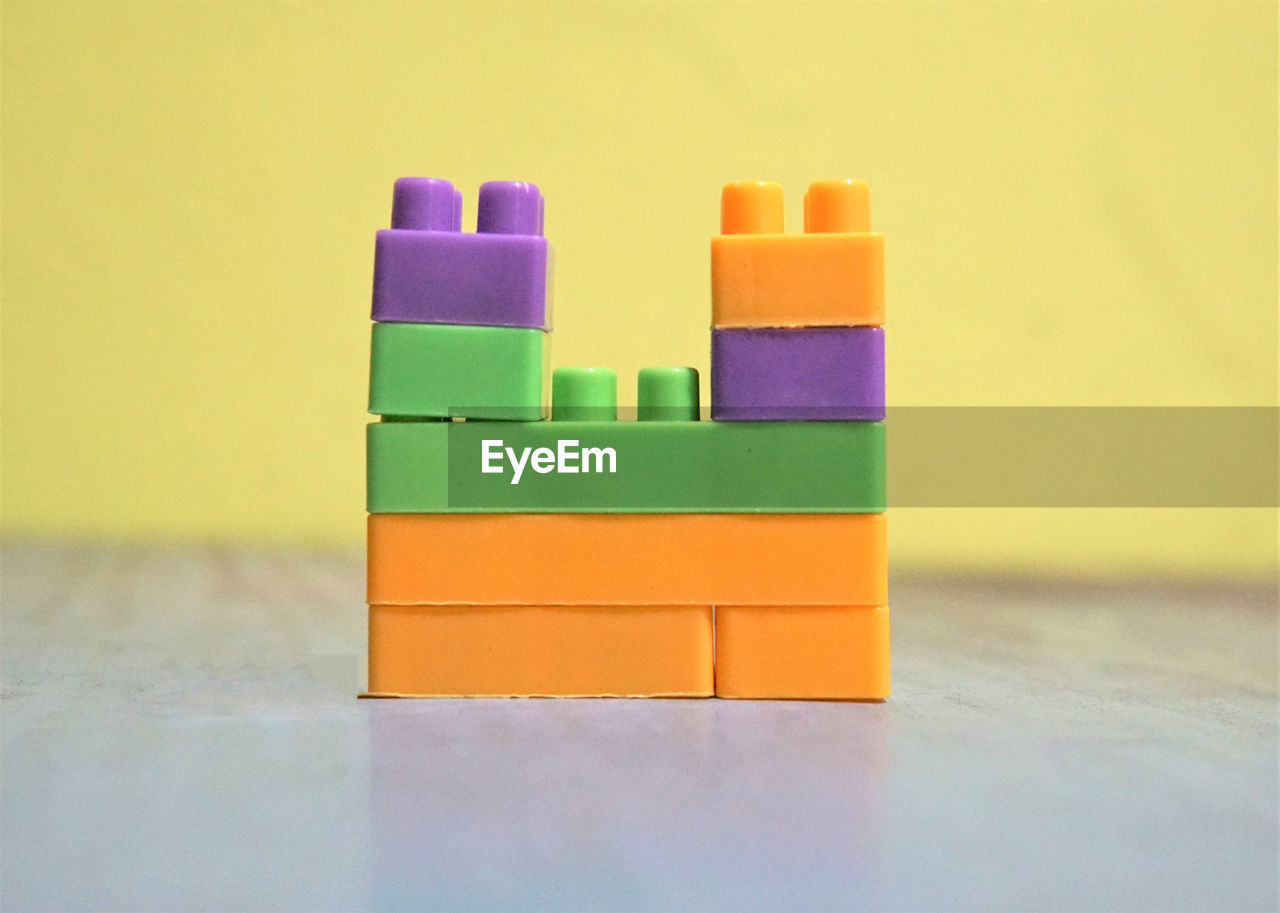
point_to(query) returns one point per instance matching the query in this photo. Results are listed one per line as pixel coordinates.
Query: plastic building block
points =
(814, 652)
(509, 651)
(626, 467)
(831, 275)
(440, 371)
(584, 394)
(628, 559)
(426, 270)
(798, 374)
(667, 395)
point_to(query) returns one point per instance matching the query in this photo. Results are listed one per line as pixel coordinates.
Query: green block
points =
(657, 467)
(429, 370)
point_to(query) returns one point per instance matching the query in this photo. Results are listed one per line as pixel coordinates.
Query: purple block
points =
(425, 270)
(800, 374)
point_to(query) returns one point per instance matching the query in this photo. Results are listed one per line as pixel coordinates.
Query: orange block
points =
(627, 559)
(528, 651)
(832, 275)
(816, 652)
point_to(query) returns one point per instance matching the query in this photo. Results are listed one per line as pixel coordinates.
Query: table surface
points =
(180, 732)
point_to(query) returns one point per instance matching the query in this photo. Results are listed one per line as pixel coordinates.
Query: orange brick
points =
(832, 275)
(627, 559)
(815, 652)
(526, 651)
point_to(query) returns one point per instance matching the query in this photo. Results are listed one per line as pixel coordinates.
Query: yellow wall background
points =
(1079, 201)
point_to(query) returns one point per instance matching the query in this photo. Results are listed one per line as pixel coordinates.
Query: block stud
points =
(751, 208)
(584, 395)
(509, 208)
(426, 204)
(837, 206)
(667, 395)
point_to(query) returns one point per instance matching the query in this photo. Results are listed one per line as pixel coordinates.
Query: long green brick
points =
(659, 467)
(432, 370)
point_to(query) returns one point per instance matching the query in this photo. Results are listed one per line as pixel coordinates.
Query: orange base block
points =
(821, 652)
(533, 651)
(627, 559)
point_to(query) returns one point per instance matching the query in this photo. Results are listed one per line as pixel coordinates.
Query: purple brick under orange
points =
(797, 374)
(428, 271)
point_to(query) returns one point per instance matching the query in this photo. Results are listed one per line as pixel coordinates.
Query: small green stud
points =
(667, 395)
(584, 395)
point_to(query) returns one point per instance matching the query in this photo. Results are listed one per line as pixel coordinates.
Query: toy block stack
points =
(797, 337)
(667, 556)
(461, 319)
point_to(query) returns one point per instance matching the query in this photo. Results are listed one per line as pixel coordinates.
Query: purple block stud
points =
(426, 270)
(426, 204)
(797, 374)
(509, 208)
